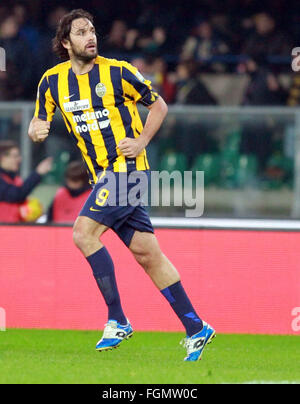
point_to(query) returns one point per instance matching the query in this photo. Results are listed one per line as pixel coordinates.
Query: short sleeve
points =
(45, 105)
(136, 87)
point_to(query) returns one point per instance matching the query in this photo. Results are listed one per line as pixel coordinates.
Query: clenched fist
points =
(38, 130)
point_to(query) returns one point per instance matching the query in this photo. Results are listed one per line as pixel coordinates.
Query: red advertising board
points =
(239, 281)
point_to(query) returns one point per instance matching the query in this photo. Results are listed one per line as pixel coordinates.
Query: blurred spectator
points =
(221, 26)
(203, 44)
(13, 191)
(46, 58)
(156, 44)
(3, 12)
(153, 14)
(156, 71)
(190, 89)
(16, 82)
(266, 39)
(116, 38)
(131, 41)
(10, 86)
(264, 87)
(27, 31)
(70, 198)
(222, 34)
(162, 80)
(143, 67)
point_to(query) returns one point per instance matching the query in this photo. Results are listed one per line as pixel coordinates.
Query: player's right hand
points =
(38, 130)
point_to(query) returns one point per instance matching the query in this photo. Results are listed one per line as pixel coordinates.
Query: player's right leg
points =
(86, 236)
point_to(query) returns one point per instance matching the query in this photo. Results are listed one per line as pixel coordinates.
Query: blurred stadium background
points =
(224, 69)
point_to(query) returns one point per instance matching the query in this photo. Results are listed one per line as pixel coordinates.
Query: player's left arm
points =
(157, 112)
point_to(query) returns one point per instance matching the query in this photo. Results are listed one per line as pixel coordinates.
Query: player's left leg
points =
(164, 275)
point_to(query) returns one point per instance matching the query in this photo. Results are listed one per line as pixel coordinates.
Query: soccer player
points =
(98, 100)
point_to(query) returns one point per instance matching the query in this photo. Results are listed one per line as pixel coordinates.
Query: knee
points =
(143, 259)
(148, 259)
(86, 235)
(81, 237)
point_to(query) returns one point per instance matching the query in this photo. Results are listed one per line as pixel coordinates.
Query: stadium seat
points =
(232, 143)
(166, 144)
(229, 158)
(246, 170)
(172, 161)
(228, 162)
(279, 171)
(238, 170)
(210, 164)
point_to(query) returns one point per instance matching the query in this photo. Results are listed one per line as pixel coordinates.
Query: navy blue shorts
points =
(116, 201)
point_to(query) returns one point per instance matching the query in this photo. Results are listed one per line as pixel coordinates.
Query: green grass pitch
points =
(56, 356)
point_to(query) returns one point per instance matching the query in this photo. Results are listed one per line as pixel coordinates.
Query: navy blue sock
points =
(182, 306)
(104, 274)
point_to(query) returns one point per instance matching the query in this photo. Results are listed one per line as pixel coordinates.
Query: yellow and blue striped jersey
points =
(99, 109)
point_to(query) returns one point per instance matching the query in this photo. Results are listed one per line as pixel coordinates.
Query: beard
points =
(84, 56)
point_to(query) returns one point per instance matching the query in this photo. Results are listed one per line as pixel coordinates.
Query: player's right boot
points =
(113, 334)
(196, 343)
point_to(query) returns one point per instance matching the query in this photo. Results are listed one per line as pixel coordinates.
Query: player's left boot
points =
(196, 343)
(114, 333)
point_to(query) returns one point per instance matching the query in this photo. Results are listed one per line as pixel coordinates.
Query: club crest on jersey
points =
(100, 90)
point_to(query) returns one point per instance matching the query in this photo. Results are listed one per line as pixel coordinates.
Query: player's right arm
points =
(38, 130)
(44, 110)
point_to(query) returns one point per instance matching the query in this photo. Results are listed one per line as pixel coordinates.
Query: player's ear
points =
(66, 44)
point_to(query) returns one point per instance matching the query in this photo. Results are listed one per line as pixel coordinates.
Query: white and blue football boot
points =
(196, 343)
(113, 334)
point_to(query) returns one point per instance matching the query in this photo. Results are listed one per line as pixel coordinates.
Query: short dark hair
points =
(76, 171)
(6, 146)
(64, 29)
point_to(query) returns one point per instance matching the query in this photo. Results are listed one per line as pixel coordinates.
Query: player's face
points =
(83, 40)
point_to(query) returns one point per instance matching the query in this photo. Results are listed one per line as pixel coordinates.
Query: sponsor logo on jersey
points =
(91, 121)
(75, 106)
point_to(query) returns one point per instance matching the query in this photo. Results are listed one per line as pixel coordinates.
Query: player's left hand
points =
(131, 147)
